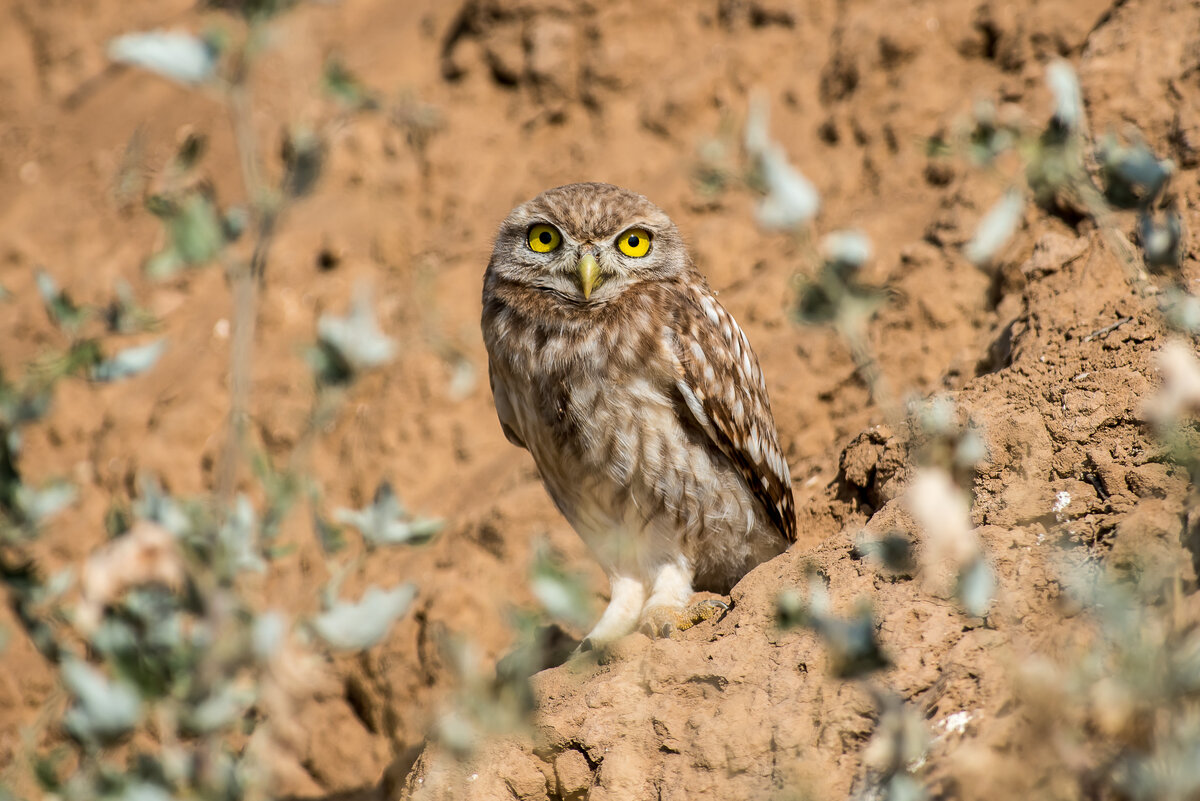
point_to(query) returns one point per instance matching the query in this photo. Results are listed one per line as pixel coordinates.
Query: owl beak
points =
(589, 274)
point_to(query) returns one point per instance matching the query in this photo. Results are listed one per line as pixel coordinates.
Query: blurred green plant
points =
(28, 398)
(833, 295)
(157, 634)
(1131, 694)
(500, 702)
(853, 647)
(1124, 714)
(177, 681)
(1069, 172)
(386, 522)
(898, 746)
(789, 200)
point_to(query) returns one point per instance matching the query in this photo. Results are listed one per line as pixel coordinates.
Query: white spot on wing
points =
(696, 407)
(754, 447)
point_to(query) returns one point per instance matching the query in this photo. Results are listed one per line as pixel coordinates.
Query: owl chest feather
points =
(608, 442)
(603, 404)
(574, 370)
(599, 409)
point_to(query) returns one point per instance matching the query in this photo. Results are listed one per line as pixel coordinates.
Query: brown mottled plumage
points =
(640, 399)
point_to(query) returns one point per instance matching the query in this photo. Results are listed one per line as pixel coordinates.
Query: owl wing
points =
(504, 409)
(722, 386)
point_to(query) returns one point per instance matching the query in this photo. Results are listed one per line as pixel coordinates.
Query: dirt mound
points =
(495, 101)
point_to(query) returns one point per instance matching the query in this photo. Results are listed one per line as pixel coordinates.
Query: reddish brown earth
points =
(532, 95)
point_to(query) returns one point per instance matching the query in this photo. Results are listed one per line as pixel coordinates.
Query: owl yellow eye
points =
(544, 238)
(634, 242)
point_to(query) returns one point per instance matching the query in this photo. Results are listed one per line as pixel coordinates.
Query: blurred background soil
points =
(484, 105)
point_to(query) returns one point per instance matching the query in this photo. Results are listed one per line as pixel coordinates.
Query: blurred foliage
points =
(893, 551)
(563, 594)
(789, 200)
(387, 522)
(1071, 173)
(156, 640)
(500, 702)
(836, 296)
(896, 750)
(946, 439)
(344, 86)
(252, 10)
(1131, 700)
(852, 643)
(303, 155)
(1134, 692)
(350, 343)
(172, 673)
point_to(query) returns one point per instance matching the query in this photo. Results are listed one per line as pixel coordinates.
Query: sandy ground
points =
(531, 95)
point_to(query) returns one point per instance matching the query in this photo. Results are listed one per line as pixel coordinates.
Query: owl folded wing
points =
(723, 388)
(504, 409)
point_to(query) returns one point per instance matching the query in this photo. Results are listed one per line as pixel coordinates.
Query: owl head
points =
(587, 243)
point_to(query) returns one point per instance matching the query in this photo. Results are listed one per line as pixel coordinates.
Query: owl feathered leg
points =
(621, 615)
(672, 586)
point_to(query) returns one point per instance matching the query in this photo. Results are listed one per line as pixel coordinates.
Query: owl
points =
(640, 400)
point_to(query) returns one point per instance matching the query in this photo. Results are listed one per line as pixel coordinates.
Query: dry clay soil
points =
(525, 96)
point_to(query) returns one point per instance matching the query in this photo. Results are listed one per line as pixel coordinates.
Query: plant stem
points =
(241, 350)
(868, 368)
(245, 279)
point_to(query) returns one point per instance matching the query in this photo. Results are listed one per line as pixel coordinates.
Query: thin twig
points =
(868, 368)
(241, 114)
(1108, 329)
(245, 279)
(245, 301)
(1101, 214)
(244, 295)
(1080, 179)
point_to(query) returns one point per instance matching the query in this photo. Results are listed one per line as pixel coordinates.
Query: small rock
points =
(1150, 480)
(573, 774)
(870, 464)
(524, 780)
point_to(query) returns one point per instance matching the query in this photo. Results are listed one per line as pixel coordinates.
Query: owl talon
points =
(657, 623)
(660, 622)
(708, 609)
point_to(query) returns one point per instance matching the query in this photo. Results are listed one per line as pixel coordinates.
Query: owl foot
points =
(660, 621)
